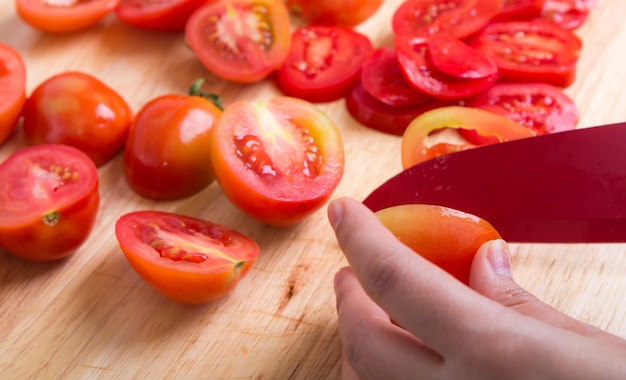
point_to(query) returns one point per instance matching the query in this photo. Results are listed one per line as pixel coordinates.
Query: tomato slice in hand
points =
(167, 15)
(63, 16)
(187, 260)
(278, 160)
(444, 236)
(527, 51)
(459, 18)
(346, 13)
(77, 109)
(538, 106)
(240, 40)
(167, 144)
(323, 63)
(13, 90)
(420, 141)
(48, 201)
(422, 74)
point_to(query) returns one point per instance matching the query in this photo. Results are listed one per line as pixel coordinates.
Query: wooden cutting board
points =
(91, 316)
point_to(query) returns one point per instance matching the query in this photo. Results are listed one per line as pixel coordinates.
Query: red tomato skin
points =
(509, 44)
(252, 61)
(519, 9)
(169, 15)
(50, 115)
(23, 230)
(261, 157)
(345, 13)
(167, 144)
(332, 76)
(184, 281)
(63, 19)
(13, 78)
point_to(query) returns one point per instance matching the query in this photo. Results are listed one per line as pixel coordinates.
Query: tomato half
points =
(187, 260)
(520, 9)
(346, 13)
(568, 14)
(323, 63)
(166, 155)
(425, 75)
(63, 16)
(240, 40)
(77, 109)
(278, 160)
(446, 237)
(531, 51)
(167, 15)
(420, 143)
(48, 201)
(538, 106)
(12, 90)
(459, 18)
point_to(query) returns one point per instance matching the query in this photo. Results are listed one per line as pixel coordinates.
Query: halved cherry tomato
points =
(48, 201)
(374, 114)
(188, 260)
(12, 90)
(417, 67)
(278, 160)
(459, 18)
(77, 109)
(446, 237)
(240, 40)
(323, 63)
(382, 78)
(531, 51)
(166, 155)
(168, 15)
(346, 13)
(538, 106)
(519, 9)
(61, 16)
(416, 146)
(568, 14)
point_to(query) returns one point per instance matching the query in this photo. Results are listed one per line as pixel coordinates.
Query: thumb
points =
(491, 276)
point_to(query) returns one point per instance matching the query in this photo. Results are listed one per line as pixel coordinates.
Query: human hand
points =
(492, 329)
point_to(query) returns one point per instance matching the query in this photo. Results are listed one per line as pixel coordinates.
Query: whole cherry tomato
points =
(63, 16)
(446, 237)
(186, 259)
(13, 89)
(79, 110)
(346, 13)
(48, 201)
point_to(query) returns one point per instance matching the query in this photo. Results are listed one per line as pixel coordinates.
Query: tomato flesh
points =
(186, 259)
(48, 201)
(63, 16)
(446, 237)
(12, 90)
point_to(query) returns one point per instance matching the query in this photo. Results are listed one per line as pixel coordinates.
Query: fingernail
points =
(335, 213)
(339, 277)
(500, 257)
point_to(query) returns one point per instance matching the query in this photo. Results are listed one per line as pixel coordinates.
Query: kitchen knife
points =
(567, 187)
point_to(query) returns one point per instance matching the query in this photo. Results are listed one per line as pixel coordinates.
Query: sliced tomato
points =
(167, 15)
(167, 144)
(63, 16)
(519, 9)
(382, 78)
(374, 114)
(241, 41)
(453, 57)
(422, 140)
(187, 260)
(346, 13)
(77, 109)
(541, 107)
(568, 14)
(278, 160)
(12, 90)
(421, 73)
(48, 201)
(444, 236)
(531, 51)
(459, 18)
(323, 63)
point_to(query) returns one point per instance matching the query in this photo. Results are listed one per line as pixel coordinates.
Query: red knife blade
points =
(567, 187)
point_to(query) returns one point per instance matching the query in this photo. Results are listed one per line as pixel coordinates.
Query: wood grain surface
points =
(91, 316)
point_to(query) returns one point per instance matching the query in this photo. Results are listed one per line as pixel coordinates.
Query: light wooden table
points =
(91, 316)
